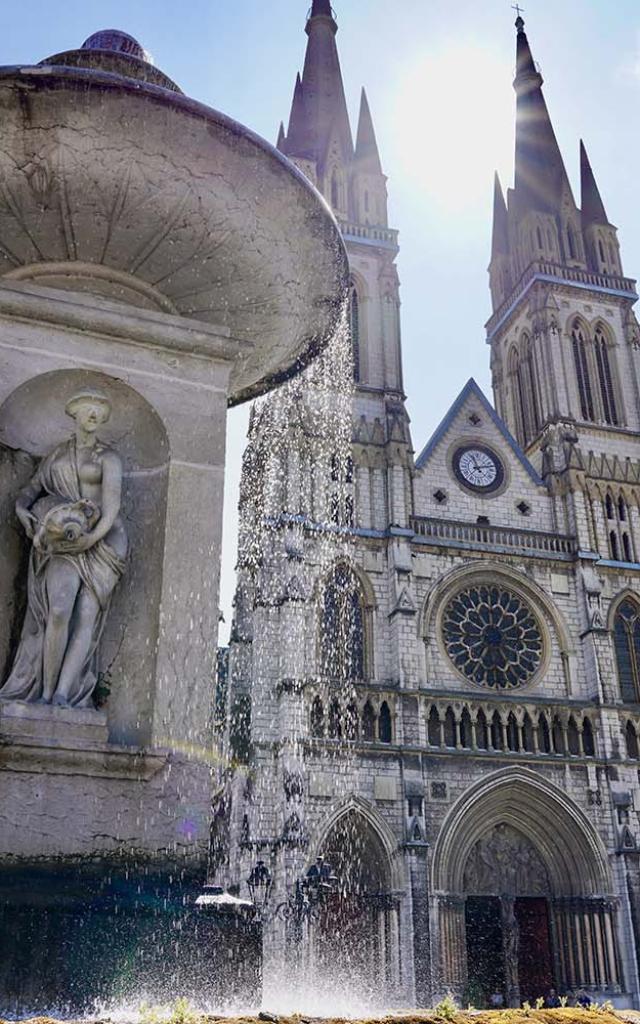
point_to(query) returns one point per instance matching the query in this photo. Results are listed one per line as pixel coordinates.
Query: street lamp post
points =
(309, 893)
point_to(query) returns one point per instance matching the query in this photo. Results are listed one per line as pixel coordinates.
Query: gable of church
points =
(473, 467)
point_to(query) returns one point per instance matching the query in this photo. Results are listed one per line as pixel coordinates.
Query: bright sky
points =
(438, 75)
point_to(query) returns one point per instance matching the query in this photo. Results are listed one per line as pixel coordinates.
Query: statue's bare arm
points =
(24, 501)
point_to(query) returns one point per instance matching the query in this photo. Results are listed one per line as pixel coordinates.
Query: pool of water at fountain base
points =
(74, 944)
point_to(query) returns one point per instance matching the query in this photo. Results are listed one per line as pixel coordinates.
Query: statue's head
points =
(89, 407)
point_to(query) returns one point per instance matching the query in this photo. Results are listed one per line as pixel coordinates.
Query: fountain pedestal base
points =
(51, 724)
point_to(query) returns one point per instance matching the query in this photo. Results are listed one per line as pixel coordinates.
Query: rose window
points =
(492, 636)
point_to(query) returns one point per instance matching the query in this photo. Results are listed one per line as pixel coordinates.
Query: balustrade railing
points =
(451, 531)
(386, 236)
(609, 281)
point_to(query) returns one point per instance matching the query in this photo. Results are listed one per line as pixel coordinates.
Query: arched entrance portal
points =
(524, 895)
(354, 941)
(507, 920)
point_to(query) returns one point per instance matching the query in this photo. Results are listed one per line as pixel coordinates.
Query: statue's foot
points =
(60, 701)
(43, 700)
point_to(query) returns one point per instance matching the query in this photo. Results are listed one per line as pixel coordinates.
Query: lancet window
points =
(368, 722)
(384, 723)
(581, 363)
(342, 626)
(613, 258)
(317, 718)
(605, 378)
(626, 635)
(336, 191)
(351, 722)
(341, 499)
(593, 359)
(335, 721)
(526, 391)
(618, 528)
(572, 248)
(631, 737)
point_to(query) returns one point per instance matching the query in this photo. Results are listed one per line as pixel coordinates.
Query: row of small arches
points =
(540, 734)
(350, 722)
(543, 242)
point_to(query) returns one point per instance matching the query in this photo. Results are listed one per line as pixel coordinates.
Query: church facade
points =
(455, 729)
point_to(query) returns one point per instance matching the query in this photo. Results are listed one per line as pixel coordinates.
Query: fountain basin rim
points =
(180, 100)
(312, 345)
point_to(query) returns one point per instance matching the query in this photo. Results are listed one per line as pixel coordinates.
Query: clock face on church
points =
(478, 468)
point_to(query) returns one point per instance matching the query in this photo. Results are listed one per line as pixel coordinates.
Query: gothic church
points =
(480, 788)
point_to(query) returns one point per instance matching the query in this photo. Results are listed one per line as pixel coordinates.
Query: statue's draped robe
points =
(99, 569)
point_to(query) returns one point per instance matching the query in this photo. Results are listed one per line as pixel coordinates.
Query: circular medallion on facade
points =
(492, 637)
(478, 468)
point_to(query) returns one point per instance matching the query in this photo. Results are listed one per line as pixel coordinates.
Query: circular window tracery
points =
(492, 637)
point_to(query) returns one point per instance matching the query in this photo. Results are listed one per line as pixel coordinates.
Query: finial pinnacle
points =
(519, 19)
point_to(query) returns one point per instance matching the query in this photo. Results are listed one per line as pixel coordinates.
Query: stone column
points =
(453, 945)
(584, 933)
(419, 881)
(632, 871)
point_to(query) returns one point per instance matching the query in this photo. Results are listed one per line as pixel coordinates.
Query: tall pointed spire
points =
(540, 176)
(593, 211)
(319, 109)
(366, 144)
(297, 142)
(321, 9)
(499, 237)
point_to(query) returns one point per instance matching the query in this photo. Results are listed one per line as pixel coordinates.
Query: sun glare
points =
(454, 123)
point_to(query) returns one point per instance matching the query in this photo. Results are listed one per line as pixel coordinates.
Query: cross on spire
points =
(519, 10)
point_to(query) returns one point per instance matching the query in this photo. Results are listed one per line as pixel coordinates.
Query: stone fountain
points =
(158, 262)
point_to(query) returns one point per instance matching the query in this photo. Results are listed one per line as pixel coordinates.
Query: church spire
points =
(296, 141)
(366, 144)
(540, 177)
(593, 211)
(319, 110)
(499, 237)
(322, 9)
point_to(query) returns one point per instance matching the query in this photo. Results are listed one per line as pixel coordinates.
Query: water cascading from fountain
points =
(297, 508)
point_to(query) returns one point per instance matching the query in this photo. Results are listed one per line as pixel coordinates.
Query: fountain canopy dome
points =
(117, 184)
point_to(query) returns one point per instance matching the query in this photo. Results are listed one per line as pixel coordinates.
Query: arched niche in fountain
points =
(32, 423)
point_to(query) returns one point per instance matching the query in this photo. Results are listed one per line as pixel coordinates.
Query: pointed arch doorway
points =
(507, 919)
(524, 895)
(354, 941)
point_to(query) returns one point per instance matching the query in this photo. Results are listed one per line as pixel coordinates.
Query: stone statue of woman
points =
(70, 511)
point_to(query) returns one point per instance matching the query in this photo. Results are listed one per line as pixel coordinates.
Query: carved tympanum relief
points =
(70, 510)
(504, 862)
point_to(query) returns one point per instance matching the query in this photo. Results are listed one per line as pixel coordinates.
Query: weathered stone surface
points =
(114, 805)
(51, 724)
(134, 192)
(157, 659)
